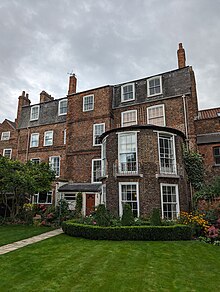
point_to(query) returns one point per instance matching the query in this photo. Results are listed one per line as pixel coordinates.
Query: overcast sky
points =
(104, 42)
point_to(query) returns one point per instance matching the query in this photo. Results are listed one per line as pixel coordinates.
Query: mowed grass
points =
(12, 233)
(64, 263)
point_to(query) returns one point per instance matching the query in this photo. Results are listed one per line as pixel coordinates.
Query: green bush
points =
(127, 218)
(155, 219)
(78, 209)
(101, 216)
(176, 232)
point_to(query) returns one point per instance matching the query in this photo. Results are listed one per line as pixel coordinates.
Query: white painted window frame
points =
(119, 161)
(120, 196)
(127, 112)
(46, 203)
(104, 159)
(174, 151)
(7, 149)
(35, 158)
(156, 106)
(37, 135)
(33, 107)
(177, 197)
(45, 133)
(92, 177)
(94, 127)
(148, 88)
(84, 99)
(64, 136)
(7, 134)
(50, 159)
(122, 92)
(60, 102)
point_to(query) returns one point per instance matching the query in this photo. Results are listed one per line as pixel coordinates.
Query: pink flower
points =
(94, 222)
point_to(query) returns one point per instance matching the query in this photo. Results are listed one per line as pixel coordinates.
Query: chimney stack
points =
(44, 97)
(181, 56)
(72, 84)
(23, 100)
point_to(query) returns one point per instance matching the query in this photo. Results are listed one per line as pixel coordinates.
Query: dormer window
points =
(127, 92)
(154, 86)
(62, 107)
(88, 103)
(5, 136)
(34, 113)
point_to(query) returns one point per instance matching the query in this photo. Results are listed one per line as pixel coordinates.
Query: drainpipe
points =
(185, 120)
(27, 149)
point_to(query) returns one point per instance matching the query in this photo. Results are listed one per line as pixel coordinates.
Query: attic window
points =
(34, 113)
(63, 107)
(154, 86)
(127, 92)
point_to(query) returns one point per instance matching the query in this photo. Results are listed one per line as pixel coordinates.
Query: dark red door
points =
(90, 203)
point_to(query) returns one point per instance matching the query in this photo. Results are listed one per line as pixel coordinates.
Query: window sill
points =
(129, 174)
(167, 175)
(216, 165)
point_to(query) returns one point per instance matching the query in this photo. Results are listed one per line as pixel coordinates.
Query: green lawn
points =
(11, 233)
(64, 263)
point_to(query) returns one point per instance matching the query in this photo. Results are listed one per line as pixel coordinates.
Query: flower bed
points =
(176, 232)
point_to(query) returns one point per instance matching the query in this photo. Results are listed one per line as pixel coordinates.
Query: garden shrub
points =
(176, 232)
(78, 208)
(127, 218)
(101, 216)
(155, 218)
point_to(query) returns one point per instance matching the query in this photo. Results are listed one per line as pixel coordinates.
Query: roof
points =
(209, 113)
(80, 187)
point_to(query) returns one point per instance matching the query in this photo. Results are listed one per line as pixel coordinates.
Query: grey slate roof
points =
(209, 138)
(48, 114)
(80, 187)
(174, 83)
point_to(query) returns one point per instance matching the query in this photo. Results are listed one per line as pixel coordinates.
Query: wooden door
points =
(90, 203)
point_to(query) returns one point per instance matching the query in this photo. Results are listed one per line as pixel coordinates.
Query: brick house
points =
(117, 143)
(208, 141)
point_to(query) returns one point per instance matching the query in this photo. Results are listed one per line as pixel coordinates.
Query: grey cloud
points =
(104, 42)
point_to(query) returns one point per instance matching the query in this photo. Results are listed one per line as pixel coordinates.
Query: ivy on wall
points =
(194, 168)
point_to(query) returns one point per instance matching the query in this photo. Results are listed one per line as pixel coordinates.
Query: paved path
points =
(18, 244)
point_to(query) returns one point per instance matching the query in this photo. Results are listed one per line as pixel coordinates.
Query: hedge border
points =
(152, 233)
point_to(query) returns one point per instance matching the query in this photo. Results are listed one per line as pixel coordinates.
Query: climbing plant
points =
(194, 168)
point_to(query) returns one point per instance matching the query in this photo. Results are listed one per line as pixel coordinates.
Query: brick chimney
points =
(23, 100)
(72, 84)
(181, 56)
(44, 97)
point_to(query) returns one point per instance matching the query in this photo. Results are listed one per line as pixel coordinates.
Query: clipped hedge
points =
(175, 232)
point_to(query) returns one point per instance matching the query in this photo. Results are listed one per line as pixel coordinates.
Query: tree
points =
(127, 218)
(18, 181)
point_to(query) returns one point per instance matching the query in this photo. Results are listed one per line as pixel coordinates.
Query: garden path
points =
(21, 243)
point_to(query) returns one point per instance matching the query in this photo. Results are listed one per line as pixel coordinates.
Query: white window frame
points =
(104, 158)
(216, 157)
(51, 139)
(122, 92)
(35, 159)
(37, 135)
(60, 102)
(153, 107)
(84, 99)
(70, 197)
(38, 111)
(50, 159)
(5, 136)
(120, 197)
(127, 112)
(93, 161)
(172, 136)
(7, 149)
(64, 136)
(148, 86)
(37, 196)
(177, 199)
(119, 160)
(94, 136)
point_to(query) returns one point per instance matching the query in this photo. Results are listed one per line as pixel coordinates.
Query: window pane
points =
(129, 196)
